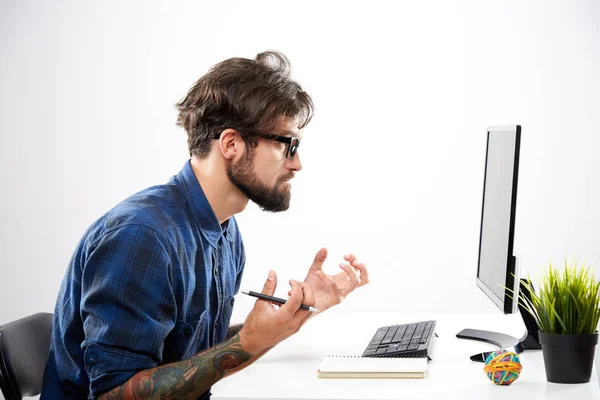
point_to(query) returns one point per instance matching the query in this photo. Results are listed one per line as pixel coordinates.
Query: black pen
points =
(276, 300)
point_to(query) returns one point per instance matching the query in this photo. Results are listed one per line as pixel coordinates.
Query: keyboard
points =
(407, 340)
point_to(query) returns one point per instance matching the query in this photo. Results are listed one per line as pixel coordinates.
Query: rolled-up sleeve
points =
(127, 305)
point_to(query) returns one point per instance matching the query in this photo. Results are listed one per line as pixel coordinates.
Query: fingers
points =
(364, 274)
(268, 289)
(292, 304)
(270, 284)
(308, 294)
(309, 300)
(301, 293)
(320, 258)
(350, 258)
(361, 267)
(352, 274)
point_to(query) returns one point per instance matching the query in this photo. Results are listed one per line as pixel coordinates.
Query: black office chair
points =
(24, 346)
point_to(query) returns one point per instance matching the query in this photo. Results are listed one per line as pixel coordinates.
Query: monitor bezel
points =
(506, 304)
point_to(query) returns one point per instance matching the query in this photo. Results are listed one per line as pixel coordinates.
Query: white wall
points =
(393, 160)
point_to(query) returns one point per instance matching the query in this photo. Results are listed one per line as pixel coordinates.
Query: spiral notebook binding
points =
(360, 356)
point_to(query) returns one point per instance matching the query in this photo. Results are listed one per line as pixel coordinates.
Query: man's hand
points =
(267, 325)
(330, 290)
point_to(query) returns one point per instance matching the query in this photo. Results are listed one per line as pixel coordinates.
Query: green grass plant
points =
(567, 302)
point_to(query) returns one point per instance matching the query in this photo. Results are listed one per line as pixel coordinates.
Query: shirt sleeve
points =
(127, 306)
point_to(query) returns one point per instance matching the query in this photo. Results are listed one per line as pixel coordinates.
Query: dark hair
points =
(246, 95)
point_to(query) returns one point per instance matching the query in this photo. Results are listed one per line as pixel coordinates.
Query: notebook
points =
(340, 366)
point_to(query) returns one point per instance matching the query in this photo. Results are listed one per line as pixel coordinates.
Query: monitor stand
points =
(529, 341)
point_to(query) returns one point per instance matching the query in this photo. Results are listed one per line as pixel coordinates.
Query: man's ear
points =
(231, 144)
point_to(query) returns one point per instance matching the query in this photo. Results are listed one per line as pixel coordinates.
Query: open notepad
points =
(366, 367)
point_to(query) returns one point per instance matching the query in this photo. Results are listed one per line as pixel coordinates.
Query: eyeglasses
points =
(292, 142)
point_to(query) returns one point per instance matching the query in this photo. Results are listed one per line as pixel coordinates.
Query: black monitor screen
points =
(496, 267)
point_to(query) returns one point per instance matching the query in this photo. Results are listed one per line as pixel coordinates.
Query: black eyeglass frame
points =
(292, 142)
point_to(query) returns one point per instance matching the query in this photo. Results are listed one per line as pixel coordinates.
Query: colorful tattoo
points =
(185, 379)
(116, 393)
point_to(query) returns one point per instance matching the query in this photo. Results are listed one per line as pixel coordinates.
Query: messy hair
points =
(247, 95)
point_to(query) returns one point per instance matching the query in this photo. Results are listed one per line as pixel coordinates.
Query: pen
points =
(276, 300)
(480, 357)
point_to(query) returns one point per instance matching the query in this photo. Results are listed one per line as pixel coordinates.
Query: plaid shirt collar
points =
(203, 213)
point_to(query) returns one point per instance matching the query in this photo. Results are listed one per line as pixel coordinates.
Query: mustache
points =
(287, 177)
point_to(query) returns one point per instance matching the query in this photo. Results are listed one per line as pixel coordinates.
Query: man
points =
(144, 308)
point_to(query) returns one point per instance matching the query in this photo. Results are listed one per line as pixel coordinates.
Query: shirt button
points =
(217, 323)
(91, 357)
(232, 301)
(217, 271)
(187, 331)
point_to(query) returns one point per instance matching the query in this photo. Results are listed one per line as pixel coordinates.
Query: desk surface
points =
(289, 371)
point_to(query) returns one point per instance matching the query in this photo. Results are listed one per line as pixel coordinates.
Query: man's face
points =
(263, 172)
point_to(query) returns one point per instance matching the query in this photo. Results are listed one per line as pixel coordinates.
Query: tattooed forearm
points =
(186, 379)
(229, 360)
(116, 393)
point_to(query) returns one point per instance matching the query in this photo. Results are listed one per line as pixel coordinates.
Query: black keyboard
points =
(406, 340)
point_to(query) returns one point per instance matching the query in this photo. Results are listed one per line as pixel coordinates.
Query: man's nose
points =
(295, 164)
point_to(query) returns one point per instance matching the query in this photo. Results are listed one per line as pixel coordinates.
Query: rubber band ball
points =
(502, 367)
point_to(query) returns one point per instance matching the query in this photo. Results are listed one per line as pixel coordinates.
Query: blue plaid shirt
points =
(151, 282)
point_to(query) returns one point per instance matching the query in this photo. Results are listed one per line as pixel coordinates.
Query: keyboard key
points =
(381, 351)
(379, 335)
(382, 331)
(390, 334)
(413, 346)
(429, 325)
(398, 336)
(409, 331)
(420, 329)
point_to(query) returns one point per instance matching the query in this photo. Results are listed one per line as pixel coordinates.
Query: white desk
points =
(289, 371)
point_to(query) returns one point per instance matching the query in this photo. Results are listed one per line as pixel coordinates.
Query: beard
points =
(243, 176)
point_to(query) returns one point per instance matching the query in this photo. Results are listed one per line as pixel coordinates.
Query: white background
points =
(393, 160)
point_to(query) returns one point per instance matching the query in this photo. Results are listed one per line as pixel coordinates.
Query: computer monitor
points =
(497, 267)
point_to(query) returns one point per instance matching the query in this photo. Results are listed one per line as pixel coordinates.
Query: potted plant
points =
(566, 309)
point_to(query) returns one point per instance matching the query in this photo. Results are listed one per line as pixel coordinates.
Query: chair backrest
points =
(24, 347)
